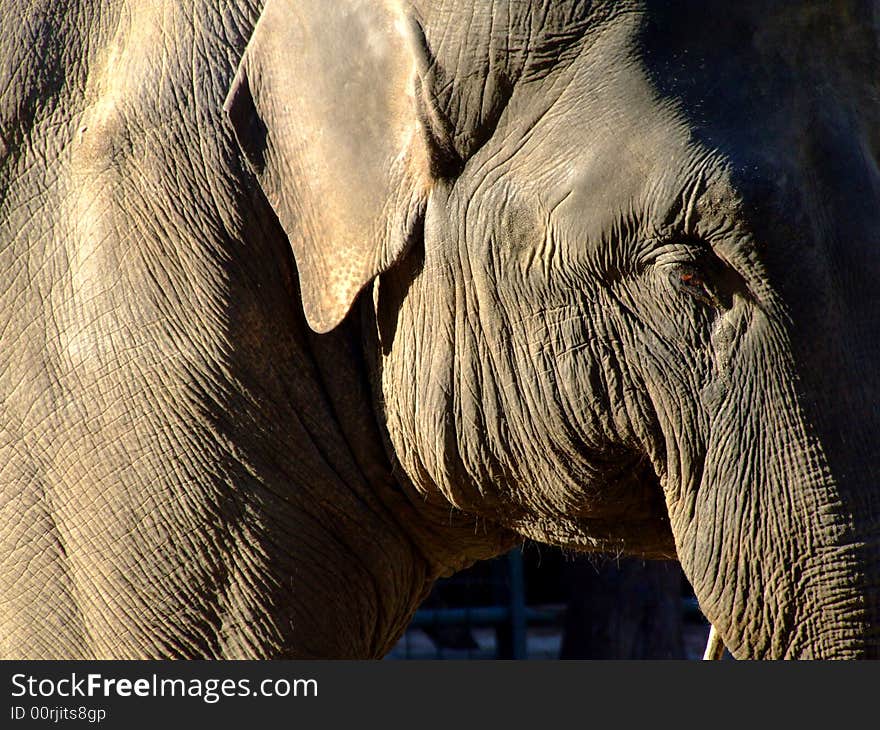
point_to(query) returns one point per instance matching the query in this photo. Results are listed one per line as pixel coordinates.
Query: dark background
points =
(539, 602)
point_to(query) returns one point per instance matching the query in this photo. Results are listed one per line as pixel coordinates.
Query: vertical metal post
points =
(517, 604)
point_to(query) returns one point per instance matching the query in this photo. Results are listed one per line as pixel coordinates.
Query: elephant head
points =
(621, 265)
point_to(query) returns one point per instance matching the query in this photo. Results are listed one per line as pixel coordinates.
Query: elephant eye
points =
(689, 279)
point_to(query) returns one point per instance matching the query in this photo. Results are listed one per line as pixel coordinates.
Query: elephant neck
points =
(374, 527)
(445, 537)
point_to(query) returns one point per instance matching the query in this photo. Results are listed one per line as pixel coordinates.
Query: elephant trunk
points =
(782, 546)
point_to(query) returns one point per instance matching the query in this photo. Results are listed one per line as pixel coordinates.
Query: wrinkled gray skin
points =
(600, 274)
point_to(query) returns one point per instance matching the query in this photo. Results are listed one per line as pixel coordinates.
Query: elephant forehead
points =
(601, 152)
(633, 133)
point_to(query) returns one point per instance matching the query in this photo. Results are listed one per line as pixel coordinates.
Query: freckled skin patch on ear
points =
(342, 149)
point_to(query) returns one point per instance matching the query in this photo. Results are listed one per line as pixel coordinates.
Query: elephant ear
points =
(322, 106)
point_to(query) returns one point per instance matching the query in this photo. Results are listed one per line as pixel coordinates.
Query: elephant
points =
(307, 304)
